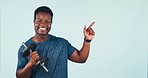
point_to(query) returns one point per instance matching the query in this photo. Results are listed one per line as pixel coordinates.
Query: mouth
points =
(42, 29)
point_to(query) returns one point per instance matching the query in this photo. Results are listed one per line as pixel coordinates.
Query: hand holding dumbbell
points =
(34, 57)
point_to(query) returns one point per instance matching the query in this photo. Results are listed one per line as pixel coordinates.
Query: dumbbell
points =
(29, 49)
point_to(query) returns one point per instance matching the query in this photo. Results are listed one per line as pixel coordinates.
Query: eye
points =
(38, 20)
(48, 22)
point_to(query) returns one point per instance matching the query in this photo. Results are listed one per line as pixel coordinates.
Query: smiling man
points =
(56, 49)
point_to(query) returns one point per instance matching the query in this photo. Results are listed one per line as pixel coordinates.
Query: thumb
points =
(84, 28)
(85, 31)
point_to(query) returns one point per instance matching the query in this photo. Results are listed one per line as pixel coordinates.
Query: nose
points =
(43, 24)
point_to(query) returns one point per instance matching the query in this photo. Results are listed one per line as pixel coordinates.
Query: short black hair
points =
(43, 9)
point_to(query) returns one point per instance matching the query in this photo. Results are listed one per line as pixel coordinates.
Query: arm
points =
(82, 55)
(26, 71)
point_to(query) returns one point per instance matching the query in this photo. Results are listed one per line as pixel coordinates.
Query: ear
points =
(34, 21)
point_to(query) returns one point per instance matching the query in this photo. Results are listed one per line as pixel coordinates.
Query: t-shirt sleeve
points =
(71, 49)
(22, 61)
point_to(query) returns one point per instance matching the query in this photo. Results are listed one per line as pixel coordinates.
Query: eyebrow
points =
(38, 18)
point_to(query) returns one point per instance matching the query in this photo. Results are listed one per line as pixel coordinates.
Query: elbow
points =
(17, 75)
(82, 61)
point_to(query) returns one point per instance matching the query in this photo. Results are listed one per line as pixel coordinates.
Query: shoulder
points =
(59, 39)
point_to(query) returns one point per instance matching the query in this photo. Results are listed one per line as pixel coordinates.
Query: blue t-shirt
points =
(57, 50)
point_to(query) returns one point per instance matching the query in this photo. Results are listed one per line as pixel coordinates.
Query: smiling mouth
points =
(42, 29)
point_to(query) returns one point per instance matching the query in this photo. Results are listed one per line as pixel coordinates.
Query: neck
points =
(40, 38)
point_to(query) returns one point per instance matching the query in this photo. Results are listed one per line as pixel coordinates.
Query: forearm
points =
(82, 55)
(24, 72)
(84, 52)
(88, 34)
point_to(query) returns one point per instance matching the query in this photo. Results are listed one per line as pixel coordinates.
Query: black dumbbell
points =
(29, 49)
(41, 63)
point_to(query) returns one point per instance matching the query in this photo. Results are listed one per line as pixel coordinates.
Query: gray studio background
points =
(118, 50)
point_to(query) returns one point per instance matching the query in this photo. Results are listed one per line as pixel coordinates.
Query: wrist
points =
(30, 64)
(87, 40)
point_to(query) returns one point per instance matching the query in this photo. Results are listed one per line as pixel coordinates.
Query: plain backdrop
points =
(118, 50)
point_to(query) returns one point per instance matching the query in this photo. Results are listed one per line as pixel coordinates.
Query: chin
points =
(42, 33)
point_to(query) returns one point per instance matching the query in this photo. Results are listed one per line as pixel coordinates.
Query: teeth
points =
(42, 28)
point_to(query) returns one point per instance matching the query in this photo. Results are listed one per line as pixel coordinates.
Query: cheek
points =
(49, 25)
(36, 24)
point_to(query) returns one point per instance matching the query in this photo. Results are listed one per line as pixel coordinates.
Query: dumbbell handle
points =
(44, 67)
(24, 44)
(26, 47)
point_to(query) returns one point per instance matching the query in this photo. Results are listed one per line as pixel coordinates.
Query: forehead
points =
(43, 14)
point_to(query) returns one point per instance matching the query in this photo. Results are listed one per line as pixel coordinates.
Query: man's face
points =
(42, 23)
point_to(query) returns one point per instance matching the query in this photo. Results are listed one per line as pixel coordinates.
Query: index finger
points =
(91, 25)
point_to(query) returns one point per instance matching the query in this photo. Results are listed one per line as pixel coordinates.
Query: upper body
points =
(57, 50)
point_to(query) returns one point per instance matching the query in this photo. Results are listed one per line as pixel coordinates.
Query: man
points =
(56, 49)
